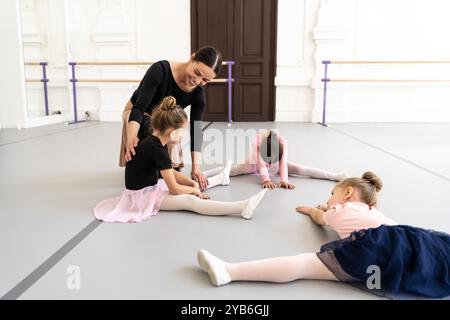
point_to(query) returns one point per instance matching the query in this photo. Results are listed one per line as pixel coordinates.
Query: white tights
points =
(193, 203)
(281, 269)
(293, 168)
(207, 207)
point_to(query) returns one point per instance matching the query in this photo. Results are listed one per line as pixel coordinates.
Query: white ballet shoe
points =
(252, 203)
(226, 173)
(215, 268)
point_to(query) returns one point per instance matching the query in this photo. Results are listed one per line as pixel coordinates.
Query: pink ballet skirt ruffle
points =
(132, 205)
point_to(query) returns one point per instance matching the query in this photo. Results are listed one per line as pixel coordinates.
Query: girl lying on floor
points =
(411, 261)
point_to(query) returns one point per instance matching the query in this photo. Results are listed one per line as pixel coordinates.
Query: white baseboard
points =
(432, 116)
(45, 120)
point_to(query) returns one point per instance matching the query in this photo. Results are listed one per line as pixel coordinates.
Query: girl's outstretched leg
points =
(281, 269)
(312, 172)
(244, 208)
(218, 176)
(243, 168)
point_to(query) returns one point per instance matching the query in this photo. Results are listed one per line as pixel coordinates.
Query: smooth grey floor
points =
(8, 136)
(424, 144)
(51, 182)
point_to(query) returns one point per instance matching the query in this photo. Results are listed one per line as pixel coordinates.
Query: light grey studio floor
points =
(52, 177)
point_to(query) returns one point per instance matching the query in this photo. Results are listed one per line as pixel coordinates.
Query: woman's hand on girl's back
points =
(131, 144)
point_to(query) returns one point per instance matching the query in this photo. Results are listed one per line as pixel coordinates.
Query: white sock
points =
(226, 173)
(252, 203)
(215, 268)
(213, 172)
(220, 177)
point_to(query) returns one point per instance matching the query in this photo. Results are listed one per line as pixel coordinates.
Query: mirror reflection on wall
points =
(45, 56)
(91, 34)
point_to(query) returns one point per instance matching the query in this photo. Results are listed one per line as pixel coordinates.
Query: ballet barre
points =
(327, 80)
(229, 80)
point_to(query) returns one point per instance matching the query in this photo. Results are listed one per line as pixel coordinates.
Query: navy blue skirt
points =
(392, 261)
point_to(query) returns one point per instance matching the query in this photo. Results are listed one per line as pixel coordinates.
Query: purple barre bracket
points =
(44, 80)
(230, 81)
(74, 90)
(325, 81)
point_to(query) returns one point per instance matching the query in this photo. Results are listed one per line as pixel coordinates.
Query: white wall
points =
(165, 30)
(12, 89)
(45, 39)
(363, 30)
(295, 59)
(98, 30)
(122, 30)
(384, 30)
(309, 31)
(402, 29)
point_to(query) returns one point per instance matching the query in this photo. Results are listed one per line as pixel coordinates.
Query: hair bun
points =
(169, 103)
(373, 179)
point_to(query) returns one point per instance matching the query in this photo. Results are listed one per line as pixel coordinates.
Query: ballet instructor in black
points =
(184, 81)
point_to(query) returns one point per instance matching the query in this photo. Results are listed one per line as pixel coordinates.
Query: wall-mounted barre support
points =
(230, 81)
(325, 81)
(44, 80)
(74, 94)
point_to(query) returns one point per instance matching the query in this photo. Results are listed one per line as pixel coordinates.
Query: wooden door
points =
(243, 31)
